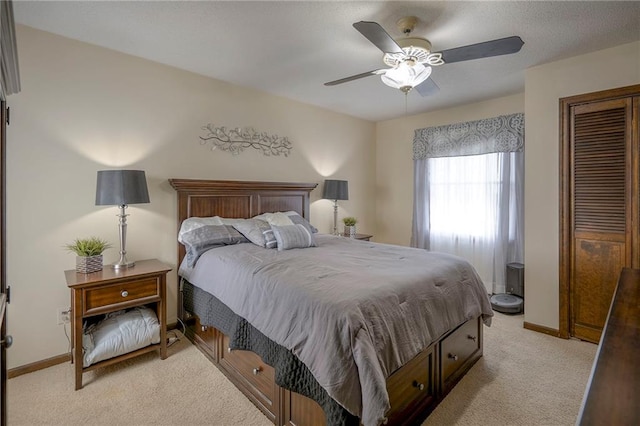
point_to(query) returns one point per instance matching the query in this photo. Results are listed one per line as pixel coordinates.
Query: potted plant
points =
(350, 226)
(89, 253)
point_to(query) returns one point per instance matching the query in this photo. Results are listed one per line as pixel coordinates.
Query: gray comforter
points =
(352, 311)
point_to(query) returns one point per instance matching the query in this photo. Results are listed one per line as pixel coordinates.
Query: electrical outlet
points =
(64, 315)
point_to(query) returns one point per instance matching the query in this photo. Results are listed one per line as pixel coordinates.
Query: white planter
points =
(350, 231)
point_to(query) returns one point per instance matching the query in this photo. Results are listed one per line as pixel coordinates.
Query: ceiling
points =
(291, 48)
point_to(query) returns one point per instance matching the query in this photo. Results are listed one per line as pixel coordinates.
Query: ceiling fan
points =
(410, 58)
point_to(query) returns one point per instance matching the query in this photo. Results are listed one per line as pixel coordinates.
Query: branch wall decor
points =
(236, 140)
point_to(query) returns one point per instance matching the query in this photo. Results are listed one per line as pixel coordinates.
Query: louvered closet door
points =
(603, 185)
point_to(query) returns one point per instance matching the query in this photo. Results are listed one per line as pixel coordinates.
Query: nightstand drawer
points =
(120, 295)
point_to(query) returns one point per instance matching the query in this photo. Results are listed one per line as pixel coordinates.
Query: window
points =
(464, 192)
(468, 193)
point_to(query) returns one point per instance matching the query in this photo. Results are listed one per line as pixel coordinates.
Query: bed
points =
(359, 369)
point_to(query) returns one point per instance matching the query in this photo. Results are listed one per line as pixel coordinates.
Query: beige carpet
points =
(525, 378)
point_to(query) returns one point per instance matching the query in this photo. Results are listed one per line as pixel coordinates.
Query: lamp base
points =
(335, 217)
(123, 265)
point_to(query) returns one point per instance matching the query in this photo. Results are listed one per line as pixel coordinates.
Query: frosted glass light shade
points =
(406, 76)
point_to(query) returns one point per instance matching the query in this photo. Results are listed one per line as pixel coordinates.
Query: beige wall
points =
(394, 161)
(83, 108)
(544, 86)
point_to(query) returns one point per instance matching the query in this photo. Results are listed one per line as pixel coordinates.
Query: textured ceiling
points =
(291, 48)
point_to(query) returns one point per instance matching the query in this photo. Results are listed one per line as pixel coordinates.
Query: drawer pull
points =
(257, 371)
(418, 385)
(229, 349)
(124, 293)
(204, 328)
(470, 337)
(453, 357)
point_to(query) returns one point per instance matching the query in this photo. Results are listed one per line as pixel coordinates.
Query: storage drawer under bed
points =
(458, 348)
(412, 388)
(257, 376)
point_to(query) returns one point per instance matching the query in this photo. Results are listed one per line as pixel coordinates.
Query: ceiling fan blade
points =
(502, 46)
(355, 77)
(427, 87)
(378, 36)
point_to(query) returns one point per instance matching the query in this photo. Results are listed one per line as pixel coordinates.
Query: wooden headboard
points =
(238, 199)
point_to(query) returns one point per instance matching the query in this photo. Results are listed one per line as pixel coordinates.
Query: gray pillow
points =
(299, 220)
(257, 231)
(293, 236)
(201, 239)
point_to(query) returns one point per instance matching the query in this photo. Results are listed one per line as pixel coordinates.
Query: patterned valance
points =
(499, 134)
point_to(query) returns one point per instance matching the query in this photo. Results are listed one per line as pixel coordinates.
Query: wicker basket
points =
(89, 264)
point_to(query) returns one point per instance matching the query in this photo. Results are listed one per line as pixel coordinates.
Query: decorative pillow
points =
(257, 231)
(293, 236)
(286, 218)
(203, 238)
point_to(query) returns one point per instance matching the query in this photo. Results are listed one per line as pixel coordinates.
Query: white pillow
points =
(278, 219)
(285, 219)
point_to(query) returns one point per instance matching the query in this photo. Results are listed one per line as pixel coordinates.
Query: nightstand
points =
(363, 237)
(112, 290)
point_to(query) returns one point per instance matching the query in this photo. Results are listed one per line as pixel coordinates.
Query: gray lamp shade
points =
(121, 187)
(335, 190)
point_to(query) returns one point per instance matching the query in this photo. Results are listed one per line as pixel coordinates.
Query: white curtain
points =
(472, 206)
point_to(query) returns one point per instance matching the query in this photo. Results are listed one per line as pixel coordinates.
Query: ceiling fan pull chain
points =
(406, 96)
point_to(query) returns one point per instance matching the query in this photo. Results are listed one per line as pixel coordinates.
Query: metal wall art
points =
(236, 140)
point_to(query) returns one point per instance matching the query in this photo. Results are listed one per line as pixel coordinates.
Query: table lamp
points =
(335, 190)
(121, 188)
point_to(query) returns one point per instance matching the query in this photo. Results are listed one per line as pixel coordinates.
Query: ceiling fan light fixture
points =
(417, 49)
(406, 75)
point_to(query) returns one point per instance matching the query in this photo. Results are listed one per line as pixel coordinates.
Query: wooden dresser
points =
(613, 392)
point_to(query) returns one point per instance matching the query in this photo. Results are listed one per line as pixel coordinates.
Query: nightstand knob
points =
(229, 349)
(417, 384)
(7, 342)
(203, 328)
(453, 357)
(257, 370)
(124, 293)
